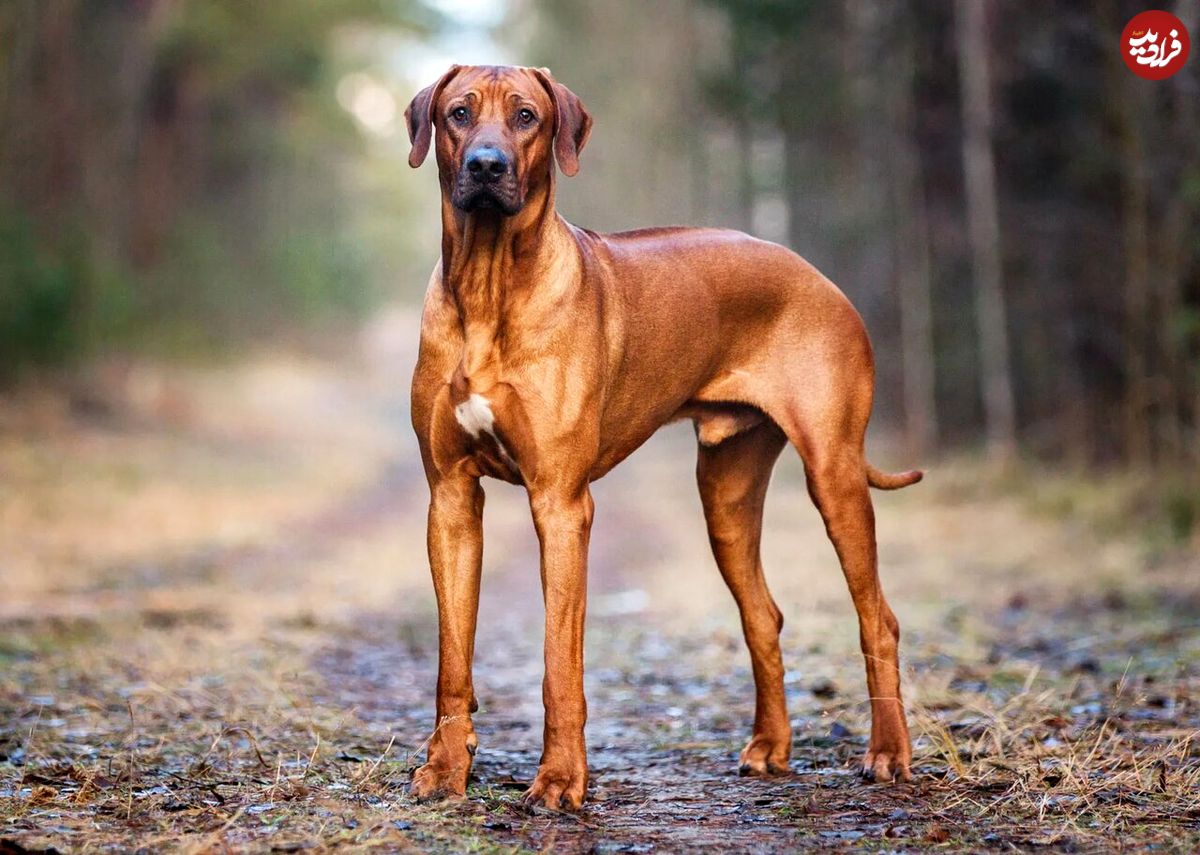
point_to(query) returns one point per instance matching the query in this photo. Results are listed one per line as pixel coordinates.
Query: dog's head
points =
(496, 128)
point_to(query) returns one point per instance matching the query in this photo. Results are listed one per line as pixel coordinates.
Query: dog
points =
(549, 353)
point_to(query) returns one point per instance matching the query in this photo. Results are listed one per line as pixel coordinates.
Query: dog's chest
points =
(503, 405)
(479, 419)
(475, 416)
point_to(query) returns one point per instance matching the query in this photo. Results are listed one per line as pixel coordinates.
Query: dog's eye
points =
(525, 116)
(460, 114)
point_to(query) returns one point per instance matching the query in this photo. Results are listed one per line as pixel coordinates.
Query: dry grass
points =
(219, 636)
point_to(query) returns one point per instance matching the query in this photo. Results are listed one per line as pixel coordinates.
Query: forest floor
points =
(217, 633)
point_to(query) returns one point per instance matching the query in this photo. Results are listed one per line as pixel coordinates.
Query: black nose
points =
(487, 164)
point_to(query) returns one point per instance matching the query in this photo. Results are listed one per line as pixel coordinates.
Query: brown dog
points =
(549, 353)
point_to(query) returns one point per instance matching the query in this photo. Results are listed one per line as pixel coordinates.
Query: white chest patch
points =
(475, 415)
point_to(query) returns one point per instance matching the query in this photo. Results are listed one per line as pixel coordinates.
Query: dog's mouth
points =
(469, 196)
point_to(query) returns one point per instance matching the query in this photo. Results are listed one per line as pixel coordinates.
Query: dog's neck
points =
(489, 260)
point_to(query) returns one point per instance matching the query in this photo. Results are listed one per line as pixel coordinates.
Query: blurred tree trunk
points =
(911, 230)
(1177, 250)
(794, 134)
(979, 173)
(18, 48)
(695, 143)
(61, 95)
(744, 133)
(1136, 232)
(144, 29)
(65, 144)
(169, 158)
(864, 234)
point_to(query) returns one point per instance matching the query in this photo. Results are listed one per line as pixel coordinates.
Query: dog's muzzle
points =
(487, 180)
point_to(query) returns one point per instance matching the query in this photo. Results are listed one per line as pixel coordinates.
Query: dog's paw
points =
(885, 767)
(433, 781)
(764, 755)
(557, 789)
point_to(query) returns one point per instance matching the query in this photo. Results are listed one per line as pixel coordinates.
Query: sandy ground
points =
(217, 632)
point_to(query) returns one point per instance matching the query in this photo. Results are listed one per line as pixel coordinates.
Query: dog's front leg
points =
(563, 518)
(455, 555)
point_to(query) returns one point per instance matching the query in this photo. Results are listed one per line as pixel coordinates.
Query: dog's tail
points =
(887, 481)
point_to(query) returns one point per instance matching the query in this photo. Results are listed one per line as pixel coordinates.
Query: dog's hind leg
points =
(827, 429)
(733, 477)
(838, 485)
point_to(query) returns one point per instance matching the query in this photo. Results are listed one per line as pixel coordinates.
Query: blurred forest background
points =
(1013, 212)
(212, 508)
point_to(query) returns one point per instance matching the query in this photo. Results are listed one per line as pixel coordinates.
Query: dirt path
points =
(217, 632)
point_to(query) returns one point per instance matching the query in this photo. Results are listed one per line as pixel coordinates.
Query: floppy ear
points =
(418, 118)
(572, 122)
